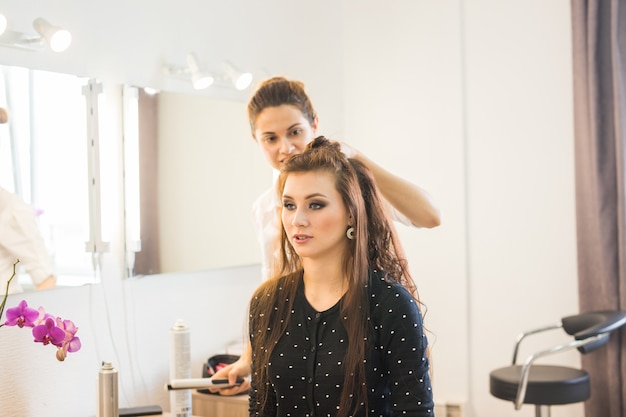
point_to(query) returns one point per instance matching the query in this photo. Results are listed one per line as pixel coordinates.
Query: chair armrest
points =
(610, 321)
(522, 336)
(575, 344)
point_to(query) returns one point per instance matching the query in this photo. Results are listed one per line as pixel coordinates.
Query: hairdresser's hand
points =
(240, 368)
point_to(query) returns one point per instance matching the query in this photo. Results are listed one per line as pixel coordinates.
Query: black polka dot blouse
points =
(305, 369)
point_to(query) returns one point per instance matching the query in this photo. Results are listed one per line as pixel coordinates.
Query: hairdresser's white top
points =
(20, 239)
(266, 214)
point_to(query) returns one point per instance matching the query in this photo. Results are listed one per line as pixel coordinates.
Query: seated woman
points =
(338, 331)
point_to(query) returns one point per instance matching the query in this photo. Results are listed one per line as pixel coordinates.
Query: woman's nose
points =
(299, 218)
(287, 147)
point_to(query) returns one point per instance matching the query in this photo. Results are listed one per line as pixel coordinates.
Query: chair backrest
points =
(593, 323)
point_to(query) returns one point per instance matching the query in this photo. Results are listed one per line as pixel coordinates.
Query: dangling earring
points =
(350, 233)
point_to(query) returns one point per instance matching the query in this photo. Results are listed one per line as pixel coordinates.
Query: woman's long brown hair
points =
(375, 247)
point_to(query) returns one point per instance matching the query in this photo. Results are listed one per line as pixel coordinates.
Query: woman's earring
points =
(350, 233)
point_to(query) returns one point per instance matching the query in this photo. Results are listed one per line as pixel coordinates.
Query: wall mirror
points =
(199, 173)
(43, 159)
(192, 172)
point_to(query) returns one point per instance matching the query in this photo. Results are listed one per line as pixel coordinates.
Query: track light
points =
(241, 80)
(58, 39)
(199, 79)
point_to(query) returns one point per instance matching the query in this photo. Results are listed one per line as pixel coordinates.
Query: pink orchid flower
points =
(70, 343)
(49, 333)
(21, 315)
(46, 328)
(42, 316)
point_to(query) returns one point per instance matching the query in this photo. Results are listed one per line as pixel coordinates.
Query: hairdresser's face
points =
(314, 216)
(282, 132)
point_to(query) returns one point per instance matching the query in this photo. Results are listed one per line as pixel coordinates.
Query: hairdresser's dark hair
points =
(277, 91)
(375, 246)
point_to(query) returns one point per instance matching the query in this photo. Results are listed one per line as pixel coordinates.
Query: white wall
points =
(404, 107)
(470, 99)
(473, 100)
(127, 324)
(521, 176)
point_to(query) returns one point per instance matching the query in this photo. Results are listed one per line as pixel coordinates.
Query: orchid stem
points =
(6, 292)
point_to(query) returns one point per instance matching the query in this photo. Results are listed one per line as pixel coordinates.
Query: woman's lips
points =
(300, 238)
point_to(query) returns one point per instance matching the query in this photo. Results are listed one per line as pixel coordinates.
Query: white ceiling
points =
(129, 41)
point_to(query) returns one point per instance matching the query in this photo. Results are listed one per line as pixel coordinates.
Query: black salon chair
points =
(546, 385)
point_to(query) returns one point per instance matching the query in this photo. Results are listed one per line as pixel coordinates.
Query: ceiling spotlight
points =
(199, 79)
(58, 39)
(241, 80)
(202, 79)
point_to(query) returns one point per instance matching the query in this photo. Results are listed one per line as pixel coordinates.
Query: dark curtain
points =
(599, 58)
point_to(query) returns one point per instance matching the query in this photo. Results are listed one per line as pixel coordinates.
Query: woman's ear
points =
(314, 124)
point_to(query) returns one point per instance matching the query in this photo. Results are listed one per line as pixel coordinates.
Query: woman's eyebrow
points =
(308, 197)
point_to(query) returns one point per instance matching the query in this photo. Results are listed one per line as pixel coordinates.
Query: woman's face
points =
(282, 132)
(314, 216)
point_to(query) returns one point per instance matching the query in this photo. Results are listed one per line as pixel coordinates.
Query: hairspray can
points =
(180, 368)
(107, 391)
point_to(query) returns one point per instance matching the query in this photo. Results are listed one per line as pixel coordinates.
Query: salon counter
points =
(208, 405)
(174, 415)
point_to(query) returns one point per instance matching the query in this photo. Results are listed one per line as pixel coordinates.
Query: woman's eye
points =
(269, 139)
(288, 205)
(316, 206)
(296, 132)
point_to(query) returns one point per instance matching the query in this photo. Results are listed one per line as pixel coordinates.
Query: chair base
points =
(542, 411)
